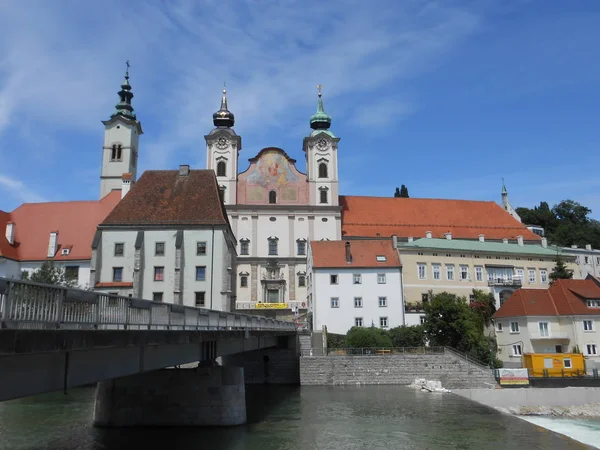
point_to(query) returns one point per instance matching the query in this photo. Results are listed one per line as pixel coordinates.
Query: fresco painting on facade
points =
(272, 170)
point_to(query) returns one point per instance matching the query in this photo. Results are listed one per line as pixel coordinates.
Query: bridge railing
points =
(28, 305)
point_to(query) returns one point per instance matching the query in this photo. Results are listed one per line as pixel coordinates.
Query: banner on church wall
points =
(271, 305)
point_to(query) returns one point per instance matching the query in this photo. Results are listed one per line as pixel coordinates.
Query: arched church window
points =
(221, 169)
(272, 197)
(322, 170)
(323, 196)
(116, 153)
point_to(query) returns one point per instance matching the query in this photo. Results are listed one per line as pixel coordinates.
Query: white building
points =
(561, 319)
(168, 240)
(275, 210)
(354, 283)
(587, 260)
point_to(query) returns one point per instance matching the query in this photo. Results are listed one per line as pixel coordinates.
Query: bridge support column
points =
(206, 396)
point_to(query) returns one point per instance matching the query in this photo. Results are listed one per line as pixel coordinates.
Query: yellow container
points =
(554, 364)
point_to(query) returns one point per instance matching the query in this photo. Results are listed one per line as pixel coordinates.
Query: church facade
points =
(275, 210)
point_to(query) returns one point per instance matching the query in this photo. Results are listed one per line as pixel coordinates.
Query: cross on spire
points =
(127, 70)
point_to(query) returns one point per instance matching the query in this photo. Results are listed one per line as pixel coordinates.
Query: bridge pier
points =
(206, 396)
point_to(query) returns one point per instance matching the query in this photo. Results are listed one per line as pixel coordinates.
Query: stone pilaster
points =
(254, 282)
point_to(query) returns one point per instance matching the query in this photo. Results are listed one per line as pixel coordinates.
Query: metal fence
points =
(30, 305)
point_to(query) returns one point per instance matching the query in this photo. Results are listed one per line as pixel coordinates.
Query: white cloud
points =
(19, 190)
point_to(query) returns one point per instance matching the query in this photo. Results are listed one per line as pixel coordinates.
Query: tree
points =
(408, 336)
(48, 274)
(401, 192)
(397, 193)
(484, 307)
(367, 337)
(560, 271)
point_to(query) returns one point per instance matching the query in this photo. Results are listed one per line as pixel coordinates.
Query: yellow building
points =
(554, 364)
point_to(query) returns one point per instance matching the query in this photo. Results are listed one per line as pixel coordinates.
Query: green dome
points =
(320, 120)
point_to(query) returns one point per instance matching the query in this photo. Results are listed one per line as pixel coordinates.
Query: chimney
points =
(184, 170)
(482, 238)
(588, 246)
(428, 234)
(10, 233)
(544, 242)
(448, 235)
(574, 246)
(520, 240)
(395, 241)
(126, 180)
(410, 239)
(505, 241)
(53, 244)
(348, 254)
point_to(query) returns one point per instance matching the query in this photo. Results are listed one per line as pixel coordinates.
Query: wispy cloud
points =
(19, 189)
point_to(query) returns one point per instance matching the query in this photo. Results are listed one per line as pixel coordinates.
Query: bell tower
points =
(320, 148)
(222, 149)
(121, 137)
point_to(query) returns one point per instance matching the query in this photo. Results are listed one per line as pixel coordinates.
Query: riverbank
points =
(588, 410)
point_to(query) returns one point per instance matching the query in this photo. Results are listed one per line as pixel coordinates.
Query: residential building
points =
(354, 283)
(587, 261)
(168, 240)
(561, 319)
(275, 210)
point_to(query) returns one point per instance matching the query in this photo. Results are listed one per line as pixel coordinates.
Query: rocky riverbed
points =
(587, 410)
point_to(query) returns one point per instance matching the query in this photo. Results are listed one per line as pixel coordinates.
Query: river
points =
(287, 418)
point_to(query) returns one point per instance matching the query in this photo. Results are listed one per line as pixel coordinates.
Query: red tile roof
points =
(413, 217)
(332, 254)
(75, 222)
(564, 297)
(163, 197)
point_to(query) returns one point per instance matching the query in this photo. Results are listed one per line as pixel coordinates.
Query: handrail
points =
(29, 305)
(466, 357)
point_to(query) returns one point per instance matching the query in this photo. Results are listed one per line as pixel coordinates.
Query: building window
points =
(117, 153)
(356, 278)
(221, 169)
(422, 320)
(245, 247)
(544, 330)
(117, 274)
(516, 350)
(520, 275)
(591, 349)
(358, 302)
(479, 273)
(272, 247)
(382, 302)
(335, 302)
(532, 275)
(543, 275)
(272, 197)
(499, 327)
(157, 296)
(593, 303)
(381, 278)
(436, 271)
(301, 280)
(200, 248)
(514, 327)
(587, 259)
(72, 273)
(464, 273)
(450, 272)
(424, 297)
(383, 322)
(159, 249)
(301, 247)
(200, 273)
(358, 321)
(333, 279)
(588, 325)
(244, 281)
(598, 260)
(119, 249)
(200, 299)
(322, 170)
(323, 196)
(567, 363)
(422, 270)
(159, 273)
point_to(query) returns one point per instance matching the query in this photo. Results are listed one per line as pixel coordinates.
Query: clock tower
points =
(320, 148)
(222, 147)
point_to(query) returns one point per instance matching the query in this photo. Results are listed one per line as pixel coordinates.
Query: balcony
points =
(291, 305)
(553, 335)
(507, 282)
(414, 308)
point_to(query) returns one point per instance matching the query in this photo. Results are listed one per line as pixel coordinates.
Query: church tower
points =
(222, 148)
(320, 148)
(506, 203)
(121, 137)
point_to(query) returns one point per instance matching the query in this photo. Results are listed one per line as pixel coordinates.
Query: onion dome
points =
(223, 117)
(124, 108)
(320, 120)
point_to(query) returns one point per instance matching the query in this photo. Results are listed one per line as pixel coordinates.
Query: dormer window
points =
(381, 258)
(65, 251)
(221, 169)
(116, 153)
(322, 170)
(593, 303)
(272, 197)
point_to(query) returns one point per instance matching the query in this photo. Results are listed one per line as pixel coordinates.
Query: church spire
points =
(223, 117)
(320, 120)
(124, 108)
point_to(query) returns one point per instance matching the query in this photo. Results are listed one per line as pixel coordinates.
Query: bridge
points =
(54, 338)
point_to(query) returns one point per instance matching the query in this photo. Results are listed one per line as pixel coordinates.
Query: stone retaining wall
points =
(401, 369)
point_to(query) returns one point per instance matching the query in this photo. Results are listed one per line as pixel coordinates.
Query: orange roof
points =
(413, 217)
(332, 254)
(563, 298)
(75, 222)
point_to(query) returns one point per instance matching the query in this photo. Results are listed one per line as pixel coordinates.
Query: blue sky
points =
(446, 97)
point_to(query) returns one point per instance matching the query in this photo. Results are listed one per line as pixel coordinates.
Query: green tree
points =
(397, 193)
(408, 336)
(483, 306)
(401, 192)
(367, 337)
(560, 271)
(49, 274)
